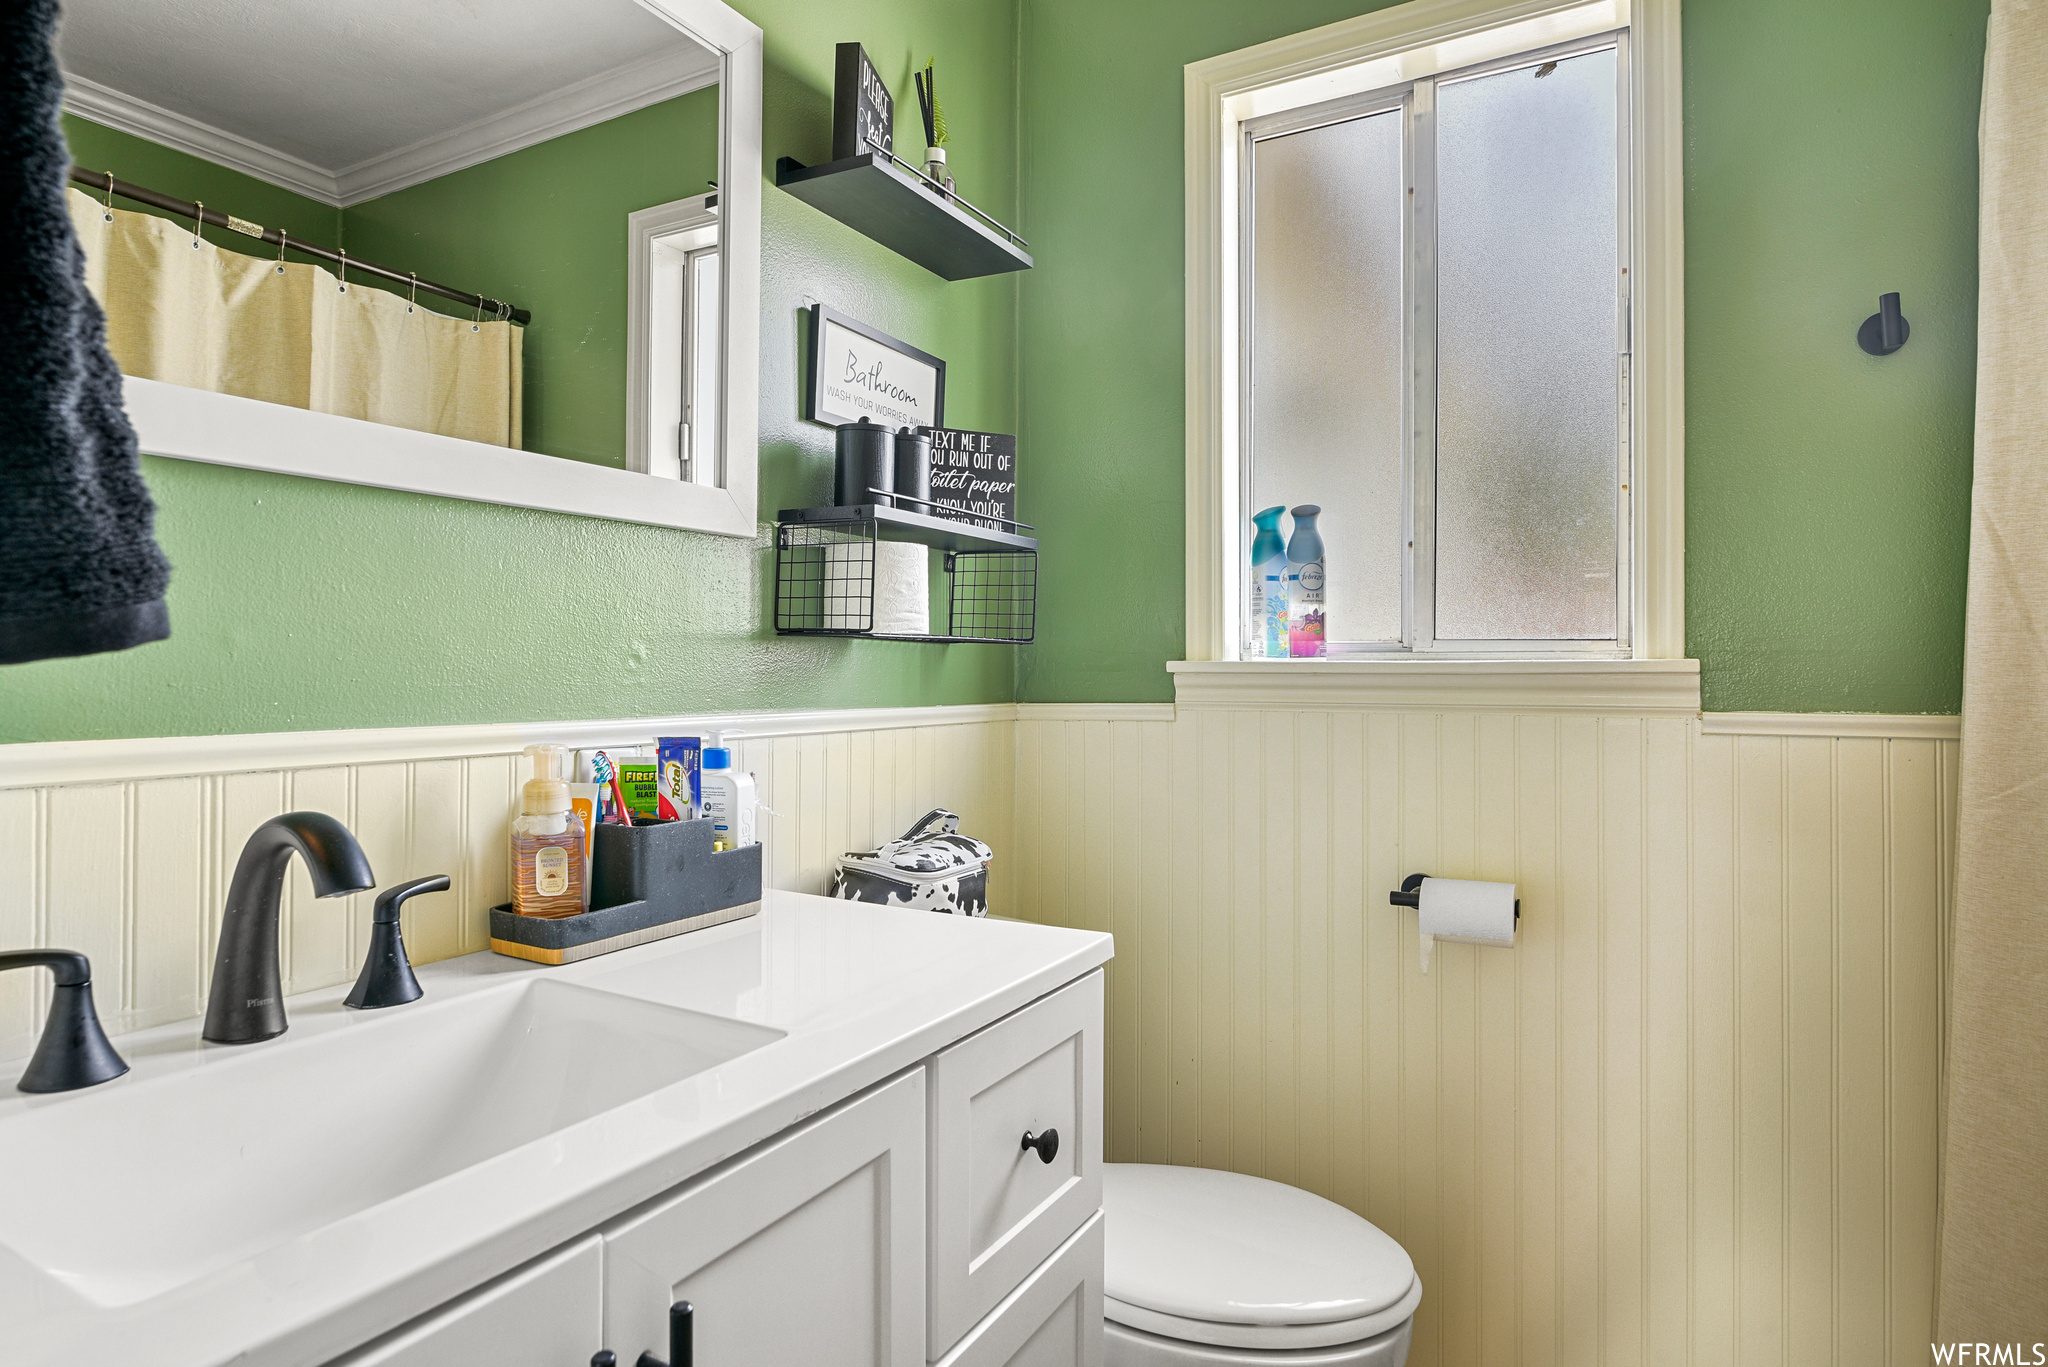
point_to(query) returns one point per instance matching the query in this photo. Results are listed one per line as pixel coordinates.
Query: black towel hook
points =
(1886, 330)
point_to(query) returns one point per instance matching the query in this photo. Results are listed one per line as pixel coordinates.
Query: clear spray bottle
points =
(1266, 627)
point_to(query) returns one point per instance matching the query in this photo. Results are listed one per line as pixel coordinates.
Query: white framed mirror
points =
(461, 313)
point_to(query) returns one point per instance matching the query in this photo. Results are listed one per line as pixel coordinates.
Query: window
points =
(675, 388)
(1435, 352)
(1435, 284)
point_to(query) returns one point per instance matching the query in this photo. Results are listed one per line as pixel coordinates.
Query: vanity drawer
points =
(1053, 1320)
(997, 1209)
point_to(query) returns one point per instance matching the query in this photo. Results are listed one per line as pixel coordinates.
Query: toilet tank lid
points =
(1232, 1249)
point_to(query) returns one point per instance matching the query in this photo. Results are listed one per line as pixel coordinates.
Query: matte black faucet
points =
(73, 1051)
(247, 1000)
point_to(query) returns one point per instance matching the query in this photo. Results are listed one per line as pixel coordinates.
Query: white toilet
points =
(1217, 1269)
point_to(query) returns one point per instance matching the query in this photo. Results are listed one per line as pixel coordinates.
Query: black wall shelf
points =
(901, 524)
(871, 194)
(825, 575)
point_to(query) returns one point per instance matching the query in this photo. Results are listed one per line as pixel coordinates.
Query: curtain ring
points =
(476, 323)
(198, 223)
(281, 235)
(412, 302)
(107, 206)
(344, 270)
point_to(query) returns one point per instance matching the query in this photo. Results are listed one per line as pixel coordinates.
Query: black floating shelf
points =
(872, 195)
(901, 524)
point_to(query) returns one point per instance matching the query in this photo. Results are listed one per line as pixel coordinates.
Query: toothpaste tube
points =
(679, 758)
(640, 778)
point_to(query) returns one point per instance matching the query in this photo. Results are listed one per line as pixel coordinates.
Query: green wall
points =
(1830, 156)
(300, 604)
(545, 227)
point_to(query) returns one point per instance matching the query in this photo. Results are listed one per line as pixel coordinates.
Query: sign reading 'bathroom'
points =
(974, 475)
(858, 372)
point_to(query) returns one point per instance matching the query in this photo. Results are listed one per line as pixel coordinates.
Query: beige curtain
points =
(183, 310)
(1993, 1252)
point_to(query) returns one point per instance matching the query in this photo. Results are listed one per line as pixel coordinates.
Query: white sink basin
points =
(180, 1175)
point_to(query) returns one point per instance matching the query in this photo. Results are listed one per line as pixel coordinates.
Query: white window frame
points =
(660, 337)
(1376, 51)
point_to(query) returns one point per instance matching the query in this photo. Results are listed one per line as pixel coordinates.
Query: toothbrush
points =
(608, 773)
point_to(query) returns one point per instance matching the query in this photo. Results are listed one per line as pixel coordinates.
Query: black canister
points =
(914, 468)
(864, 462)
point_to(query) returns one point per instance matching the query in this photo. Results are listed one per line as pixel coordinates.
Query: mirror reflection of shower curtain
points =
(211, 318)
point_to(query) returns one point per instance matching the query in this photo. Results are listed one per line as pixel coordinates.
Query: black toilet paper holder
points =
(1410, 895)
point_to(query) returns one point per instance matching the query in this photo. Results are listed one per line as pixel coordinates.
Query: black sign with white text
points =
(863, 110)
(975, 474)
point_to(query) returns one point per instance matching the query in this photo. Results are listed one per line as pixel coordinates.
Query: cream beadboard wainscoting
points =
(1688, 1119)
(124, 849)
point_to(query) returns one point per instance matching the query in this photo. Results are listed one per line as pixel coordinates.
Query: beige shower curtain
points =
(183, 310)
(1993, 1250)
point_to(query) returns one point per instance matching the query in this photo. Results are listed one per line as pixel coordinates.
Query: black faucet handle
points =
(387, 978)
(391, 899)
(74, 1051)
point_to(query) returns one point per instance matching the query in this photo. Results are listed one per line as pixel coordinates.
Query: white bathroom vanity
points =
(810, 1125)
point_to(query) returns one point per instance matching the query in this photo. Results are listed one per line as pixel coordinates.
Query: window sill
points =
(1661, 688)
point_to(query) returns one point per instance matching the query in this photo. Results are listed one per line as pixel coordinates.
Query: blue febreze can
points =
(932, 867)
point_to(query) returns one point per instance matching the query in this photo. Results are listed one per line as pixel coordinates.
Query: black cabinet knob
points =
(1046, 1142)
(604, 1357)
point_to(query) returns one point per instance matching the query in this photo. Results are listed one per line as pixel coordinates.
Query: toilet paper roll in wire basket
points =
(902, 587)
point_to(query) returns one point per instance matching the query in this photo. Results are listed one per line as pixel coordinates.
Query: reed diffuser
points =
(934, 125)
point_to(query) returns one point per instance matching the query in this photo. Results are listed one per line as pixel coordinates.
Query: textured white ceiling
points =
(343, 84)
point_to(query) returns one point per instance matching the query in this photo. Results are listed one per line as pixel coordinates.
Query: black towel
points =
(80, 571)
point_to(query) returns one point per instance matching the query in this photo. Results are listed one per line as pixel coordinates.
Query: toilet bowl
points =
(1216, 1269)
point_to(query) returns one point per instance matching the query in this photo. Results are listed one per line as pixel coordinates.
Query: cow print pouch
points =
(931, 868)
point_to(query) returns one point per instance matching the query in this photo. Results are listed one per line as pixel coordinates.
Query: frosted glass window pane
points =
(1527, 344)
(1326, 355)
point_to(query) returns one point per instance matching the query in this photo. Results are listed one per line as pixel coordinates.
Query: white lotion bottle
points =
(728, 796)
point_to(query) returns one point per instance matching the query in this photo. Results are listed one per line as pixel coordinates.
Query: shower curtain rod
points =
(103, 181)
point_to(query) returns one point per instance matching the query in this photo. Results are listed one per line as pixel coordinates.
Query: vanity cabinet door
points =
(545, 1315)
(999, 1209)
(806, 1252)
(1053, 1320)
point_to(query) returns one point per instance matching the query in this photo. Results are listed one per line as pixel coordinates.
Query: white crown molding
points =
(1842, 725)
(39, 763)
(126, 114)
(1096, 711)
(1669, 688)
(648, 80)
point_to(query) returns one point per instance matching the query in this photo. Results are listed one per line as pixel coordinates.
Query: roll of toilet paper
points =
(902, 588)
(1465, 913)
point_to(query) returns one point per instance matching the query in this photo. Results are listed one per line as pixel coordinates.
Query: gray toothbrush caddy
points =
(648, 881)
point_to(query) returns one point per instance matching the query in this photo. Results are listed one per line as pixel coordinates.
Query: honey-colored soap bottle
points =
(549, 866)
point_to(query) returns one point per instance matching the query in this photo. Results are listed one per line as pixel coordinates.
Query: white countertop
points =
(862, 992)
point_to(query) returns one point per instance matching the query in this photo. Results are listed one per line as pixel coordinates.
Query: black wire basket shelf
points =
(825, 575)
